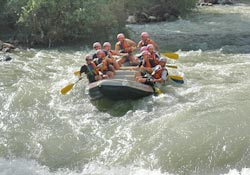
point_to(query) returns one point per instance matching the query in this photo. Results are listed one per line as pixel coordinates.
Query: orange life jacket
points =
(147, 42)
(147, 64)
(158, 73)
(124, 46)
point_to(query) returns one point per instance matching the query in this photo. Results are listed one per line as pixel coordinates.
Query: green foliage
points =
(50, 21)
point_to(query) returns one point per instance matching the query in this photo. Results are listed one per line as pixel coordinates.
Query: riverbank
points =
(206, 28)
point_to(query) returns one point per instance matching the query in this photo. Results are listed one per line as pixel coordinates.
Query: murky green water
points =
(199, 128)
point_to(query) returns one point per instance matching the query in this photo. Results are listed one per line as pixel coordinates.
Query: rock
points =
(6, 47)
(142, 17)
(225, 2)
(205, 4)
(152, 18)
(6, 58)
(211, 1)
(154, 14)
(131, 19)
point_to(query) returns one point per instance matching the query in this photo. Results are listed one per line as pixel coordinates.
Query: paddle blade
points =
(67, 88)
(174, 56)
(157, 91)
(77, 73)
(176, 78)
(171, 66)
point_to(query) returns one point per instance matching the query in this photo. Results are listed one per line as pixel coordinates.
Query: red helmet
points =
(97, 44)
(120, 35)
(106, 44)
(144, 34)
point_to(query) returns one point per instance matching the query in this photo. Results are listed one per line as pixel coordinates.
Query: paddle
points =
(171, 55)
(68, 87)
(171, 66)
(176, 78)
(157, 90)
(76, 73)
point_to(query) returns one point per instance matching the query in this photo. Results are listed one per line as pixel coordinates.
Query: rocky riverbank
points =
(207, 28)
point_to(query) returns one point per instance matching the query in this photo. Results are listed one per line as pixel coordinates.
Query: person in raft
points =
(145, 40)
(144, 66)
(157, 74)
(125, 45)
(111, 54)
(91, 70)
(154, 56)
(98, 46)
(104, 64)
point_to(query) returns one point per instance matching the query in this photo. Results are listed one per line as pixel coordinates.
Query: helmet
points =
(97, 44)
(101, 52)
(144, 34)
(98, 51)
(106, 44)
(163, 59)
(145, 52)
(88, 57)
(143, 48)
(149, 46)
(120, 35)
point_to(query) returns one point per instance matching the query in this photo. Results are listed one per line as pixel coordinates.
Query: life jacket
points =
(90, 70)
(125, 47)
(105, 64)
(153, 59)
(147, 64)
(145, 43)
(97, 61)
(158, 73)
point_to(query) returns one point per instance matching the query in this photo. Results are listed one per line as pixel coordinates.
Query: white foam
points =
(31, 167)
(244, 171)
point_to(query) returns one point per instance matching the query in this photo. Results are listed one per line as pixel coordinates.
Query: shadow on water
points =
(116, 108)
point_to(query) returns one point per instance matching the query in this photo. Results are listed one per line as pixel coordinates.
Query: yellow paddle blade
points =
(171, 66)
(158, 91)
(67, 88)
(171, 55)
(176, 78)
(76, 73)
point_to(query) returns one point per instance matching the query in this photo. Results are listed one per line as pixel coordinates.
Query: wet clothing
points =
(160, 72)
(90, 70)
(125, 46)
(147, 42)
(95, 56)
(154, 59)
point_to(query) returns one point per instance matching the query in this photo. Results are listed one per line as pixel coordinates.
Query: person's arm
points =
(117, 47)
(139, 45)
(132, 45)
(104, 65)
(162, 79)
(155, 45)
(115, 52)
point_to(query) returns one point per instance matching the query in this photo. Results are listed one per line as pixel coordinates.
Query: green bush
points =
(51, 21)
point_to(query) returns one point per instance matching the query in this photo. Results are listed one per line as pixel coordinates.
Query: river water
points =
(199, 128)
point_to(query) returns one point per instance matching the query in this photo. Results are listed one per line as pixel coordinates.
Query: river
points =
(199, 128)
